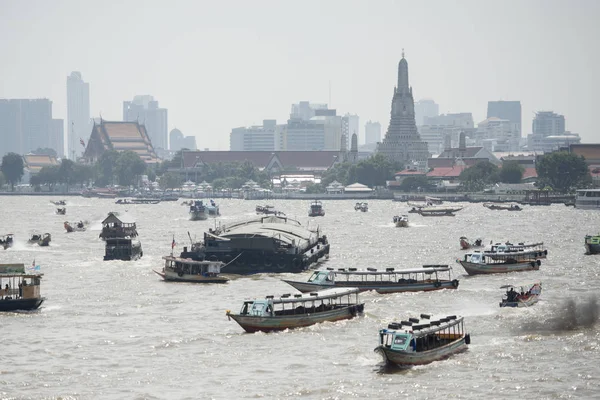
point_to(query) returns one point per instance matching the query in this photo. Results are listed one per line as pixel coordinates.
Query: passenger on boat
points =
(80, 224)
(511, 295)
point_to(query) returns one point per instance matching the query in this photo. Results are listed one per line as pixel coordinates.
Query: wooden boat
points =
(78, 227)
(435, 211)
(524, 296)
(364, 207)
(423, 279)
(6, 241)
(316, 209)
(422, 341)
(40, 240)
(465, 244)
(533, 250)
(503, 206)
(480, 263)
(19, 290)
(118, 225)
(213, 209)
(61, 211)
(401, 221)
(287, 311)
(138, 201)
(59, 203)
(592, 244)
(198, 211)
(268, 210)
(185, 270)
(124, 249)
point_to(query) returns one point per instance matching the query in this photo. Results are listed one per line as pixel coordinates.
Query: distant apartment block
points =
(425, 108)
(79, 125)
(145, 110)
(507, 110)
(437, 130)
(255, 138)
(178, 142)
(350, 126)
(27, 124)
(372, 132)
(313, 127)
(548, 123)
(549, 133)
(497, 134)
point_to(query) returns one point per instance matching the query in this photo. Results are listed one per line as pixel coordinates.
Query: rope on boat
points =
(236, 257)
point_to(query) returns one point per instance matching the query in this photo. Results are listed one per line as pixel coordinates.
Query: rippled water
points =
(114, 330)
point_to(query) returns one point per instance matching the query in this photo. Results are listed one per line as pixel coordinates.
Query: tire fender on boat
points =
(468, 338)
(533, 263)
(545, 252)
(538, 262)
(455, 283)
(180, 273)
(437, 284)
(296, 262)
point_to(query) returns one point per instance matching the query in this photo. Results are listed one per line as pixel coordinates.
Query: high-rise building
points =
(26, 125)
(372, 132)
(402, 141)
(548, 123)
(56, 137)
(254, 138)
(145, 110)
(507, 110)
(350, 126)
(425, 108)
(79, 125)
(177, 141)
(462, 120)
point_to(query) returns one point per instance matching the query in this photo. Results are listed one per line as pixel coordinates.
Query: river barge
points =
(263, 244)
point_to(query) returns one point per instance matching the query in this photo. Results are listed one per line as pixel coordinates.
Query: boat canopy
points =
(313, 296)
(525, 285)
(189, 261)
(285, 229)
(391, 271)
(421, 328)
(118, 218)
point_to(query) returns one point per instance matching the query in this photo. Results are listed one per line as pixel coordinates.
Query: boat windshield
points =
(257, 308)
(401, 341)
(476, 258)
(319, 276)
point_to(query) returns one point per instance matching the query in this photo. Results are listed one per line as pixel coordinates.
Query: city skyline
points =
(543, 62)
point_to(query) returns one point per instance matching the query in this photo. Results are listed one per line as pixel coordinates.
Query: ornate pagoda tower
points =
(402, 141)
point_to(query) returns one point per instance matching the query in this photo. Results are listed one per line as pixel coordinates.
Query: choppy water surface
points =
(114, 330)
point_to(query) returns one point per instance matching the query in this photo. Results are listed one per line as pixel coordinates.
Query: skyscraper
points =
(402, 141)
(509, 110)
(350, 126)
(78, 123)
(144, 109)
(548, 123)
(425, 108)
(372, 132)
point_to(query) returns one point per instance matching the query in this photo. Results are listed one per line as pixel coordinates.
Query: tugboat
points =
(592, 244)
(118, 225)
(264, 244)
(213, 209)
(61, 211)
(18, 290)
(6, 241)
(198, 211)
(401, 221)
(79, 227)
(316, 209)
(40, 240)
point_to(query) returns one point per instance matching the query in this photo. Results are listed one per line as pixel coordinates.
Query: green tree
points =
(563, 171)
(66, 172)
(45, 151)
(46, 176)
(413, 183)
(13, 168)
(2, 180)
(170, 180)
(313, 188)
(475, 178)
(511, 172)
(129, 165)
(105, 168)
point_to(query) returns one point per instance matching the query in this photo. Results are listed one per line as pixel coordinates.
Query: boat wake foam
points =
(569, 316)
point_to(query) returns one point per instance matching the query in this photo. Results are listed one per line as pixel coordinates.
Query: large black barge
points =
(266, 244)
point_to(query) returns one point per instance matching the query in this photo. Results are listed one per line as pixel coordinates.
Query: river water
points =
(114, 330)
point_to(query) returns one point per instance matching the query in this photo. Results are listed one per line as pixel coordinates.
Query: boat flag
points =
(33, 266)
(82, 142)
(173, 243)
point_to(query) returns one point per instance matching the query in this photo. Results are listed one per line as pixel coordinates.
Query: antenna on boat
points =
(190, 236)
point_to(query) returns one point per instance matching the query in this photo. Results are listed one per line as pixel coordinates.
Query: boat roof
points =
(271, 226)
(424, 270)
(122, 218)
(190, 261)
(520, 286)
(320, 295)
(425, 325)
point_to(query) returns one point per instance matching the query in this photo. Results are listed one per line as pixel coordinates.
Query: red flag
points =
(173, 243)
(82, 142)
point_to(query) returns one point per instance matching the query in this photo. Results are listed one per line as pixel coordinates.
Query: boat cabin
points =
(308, 303)
(124, 249)
(16, 284)
(424, 334)
(588, 199)
(118, 225)
(429, 273)
(186, 266)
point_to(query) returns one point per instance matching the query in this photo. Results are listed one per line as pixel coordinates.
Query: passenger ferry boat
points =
(482, 263)
(299, 310)
(592, 244)
(6, 241)
(523, 296)
(118, 225)
(186, 270)
(503, 206)
(316, 209)
(536, 250)
(401, 221)
(124, 249)
(422, 341)
(19, 290)
(198, 211)
(588, 199)
(40, 240)
(435, 211)
(389, 281)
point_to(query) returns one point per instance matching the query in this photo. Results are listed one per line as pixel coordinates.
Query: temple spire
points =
(402, 74)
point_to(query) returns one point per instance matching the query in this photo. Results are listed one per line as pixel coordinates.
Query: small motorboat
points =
(316, 209)
(77, 227)
(401, 221)
(6, 241)
(364, 207)
(59, 203)
(503, 206)
(524, 296)
(592, 244)
(39, 239)
(268, 210)
(466, 244)
(61, 211)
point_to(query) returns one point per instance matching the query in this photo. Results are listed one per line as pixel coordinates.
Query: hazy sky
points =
(217, 65)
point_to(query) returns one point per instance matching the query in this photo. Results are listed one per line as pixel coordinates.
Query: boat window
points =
(319, 276)
(259, 308)
(475, 258)
(401, 341)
